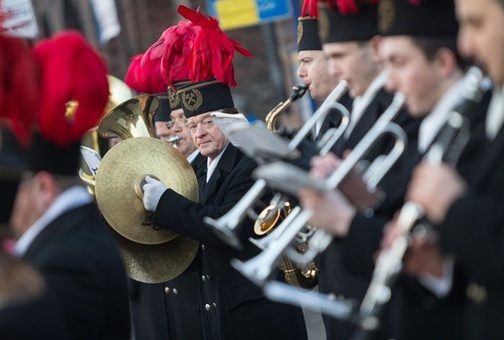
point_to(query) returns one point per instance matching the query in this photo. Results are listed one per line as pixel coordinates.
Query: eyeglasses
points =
(182, 122)
(207, 124)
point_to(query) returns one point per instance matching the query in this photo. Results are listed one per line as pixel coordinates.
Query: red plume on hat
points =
(19, 88)
(70, 71)
(174, 48)
(309, 9)
(349, 6)
(144, 75)
(213, 51)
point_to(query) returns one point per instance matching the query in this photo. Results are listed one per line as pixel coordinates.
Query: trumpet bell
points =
(118, 181)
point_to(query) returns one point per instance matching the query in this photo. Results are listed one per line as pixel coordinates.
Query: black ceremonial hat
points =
(307, 34)
(427, 18)
(337, 23)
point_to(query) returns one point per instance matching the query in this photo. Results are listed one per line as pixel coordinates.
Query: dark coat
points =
(78, 257)
(414, 312)
(169, 310)
(473, 231)
(232, 307)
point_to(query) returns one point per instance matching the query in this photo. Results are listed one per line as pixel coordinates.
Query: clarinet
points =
(447, 148)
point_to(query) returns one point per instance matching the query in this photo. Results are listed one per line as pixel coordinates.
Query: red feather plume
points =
(309, 9)
(70, 70)
(177, 45)
(213, 51)
(346, 7)
(19, 86)
(144, 75)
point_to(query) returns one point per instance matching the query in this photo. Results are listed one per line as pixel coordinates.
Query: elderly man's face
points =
(207, 137)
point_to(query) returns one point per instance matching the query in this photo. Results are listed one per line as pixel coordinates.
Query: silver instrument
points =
(259, 268)
(228, 225)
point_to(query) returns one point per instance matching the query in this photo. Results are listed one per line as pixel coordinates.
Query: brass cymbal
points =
(118, 186)
(157, 263)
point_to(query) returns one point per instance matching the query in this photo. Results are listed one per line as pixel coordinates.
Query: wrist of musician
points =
(436, 212)
(346, 217)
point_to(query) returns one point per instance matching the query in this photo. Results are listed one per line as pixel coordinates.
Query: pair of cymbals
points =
(151, 254)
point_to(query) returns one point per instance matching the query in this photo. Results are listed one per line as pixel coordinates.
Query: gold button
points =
(166, 290)
(207, 307)
(477, 293)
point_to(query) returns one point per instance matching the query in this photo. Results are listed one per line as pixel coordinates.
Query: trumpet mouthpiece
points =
(173, 140)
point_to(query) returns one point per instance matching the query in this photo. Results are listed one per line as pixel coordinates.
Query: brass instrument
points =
(272, 116)
(260, 268)
(119, 92)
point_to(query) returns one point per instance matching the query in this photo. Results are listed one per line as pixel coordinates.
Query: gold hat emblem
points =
(300, 31)
(324, 25)
(174, 99)
(386, 15)
(192, 99)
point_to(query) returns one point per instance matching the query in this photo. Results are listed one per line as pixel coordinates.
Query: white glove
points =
(153, 190)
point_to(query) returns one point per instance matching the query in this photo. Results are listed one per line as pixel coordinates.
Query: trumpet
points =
(228, 225)
(447, 148)
(259, 268)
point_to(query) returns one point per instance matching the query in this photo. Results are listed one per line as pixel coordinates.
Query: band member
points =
(468, 210)
(312, 67)
(350, 42)
(54, 219)
(422, 62)
(231, 306)
(168, 310)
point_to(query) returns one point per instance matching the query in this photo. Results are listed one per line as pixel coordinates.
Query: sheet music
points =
(259, 143)
(92, 159)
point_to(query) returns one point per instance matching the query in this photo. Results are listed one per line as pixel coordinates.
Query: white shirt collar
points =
(212, 165)
(495, 116)
(360, 103)
(192, 156)
(432, 124)
(71, 198)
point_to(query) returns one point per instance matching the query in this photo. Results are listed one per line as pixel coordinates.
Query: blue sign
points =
(273, 9)
(248, 12)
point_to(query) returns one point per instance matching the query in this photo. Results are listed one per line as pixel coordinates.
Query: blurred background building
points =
(121, 29)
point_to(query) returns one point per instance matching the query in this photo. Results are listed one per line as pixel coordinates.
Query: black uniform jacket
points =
(473, 231)
(232, 307)
(78, 257)
(169, 310)
(414, 307)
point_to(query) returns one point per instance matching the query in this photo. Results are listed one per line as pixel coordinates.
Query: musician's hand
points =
(357, 192)
(391, 231)
(323, 166)
(424, 257)
(331, 211)
(435, 187)
(153, 190)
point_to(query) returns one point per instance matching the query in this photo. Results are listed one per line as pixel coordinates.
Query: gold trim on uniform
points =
(192, 99)
(386, 15)
(323, 23)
